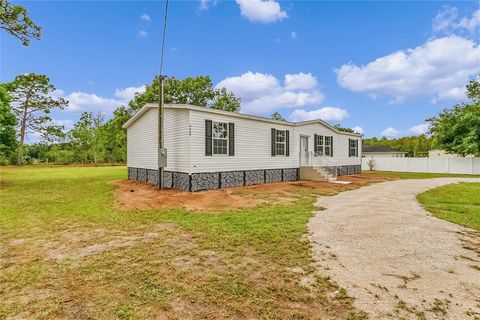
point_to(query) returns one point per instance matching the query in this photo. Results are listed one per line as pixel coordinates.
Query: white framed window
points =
(324, 145)
(353, 148)
(319, 145)
(328, 146)
(280, 142)
(220, 138)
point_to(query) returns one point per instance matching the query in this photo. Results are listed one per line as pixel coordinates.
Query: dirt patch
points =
(134, 195)
(65, 252)
(396, 259)
(76, 244)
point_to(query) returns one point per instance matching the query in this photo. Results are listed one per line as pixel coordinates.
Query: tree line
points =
(26, 104)
(455, 130)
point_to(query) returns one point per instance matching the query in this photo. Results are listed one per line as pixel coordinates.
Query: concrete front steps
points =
(316, 174)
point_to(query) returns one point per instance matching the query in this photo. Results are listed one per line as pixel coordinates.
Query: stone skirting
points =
(216, 180)
(346, 169)
(213, 180)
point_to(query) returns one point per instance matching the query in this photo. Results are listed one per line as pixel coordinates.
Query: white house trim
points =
(232, 114)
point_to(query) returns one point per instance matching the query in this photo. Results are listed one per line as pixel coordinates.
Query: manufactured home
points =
(211, 149)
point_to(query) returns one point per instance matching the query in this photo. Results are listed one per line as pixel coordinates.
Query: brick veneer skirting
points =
(216, 180)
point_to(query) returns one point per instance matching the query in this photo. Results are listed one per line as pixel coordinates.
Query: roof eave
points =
(246, 116)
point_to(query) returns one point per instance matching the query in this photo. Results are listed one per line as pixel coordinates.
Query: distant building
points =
(439, 153)
(375, 150)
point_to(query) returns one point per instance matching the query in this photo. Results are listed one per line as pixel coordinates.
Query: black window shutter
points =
(349, 148)
(331, 146)
(208, 137)
(315, 143)
(287, 143)
(231, 139)
(273, 142)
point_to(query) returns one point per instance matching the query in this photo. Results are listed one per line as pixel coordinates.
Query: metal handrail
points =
(322, 160)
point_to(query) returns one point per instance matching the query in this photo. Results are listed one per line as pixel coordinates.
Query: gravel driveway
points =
(393, 257)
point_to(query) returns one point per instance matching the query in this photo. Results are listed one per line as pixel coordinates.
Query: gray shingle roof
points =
(378, 148)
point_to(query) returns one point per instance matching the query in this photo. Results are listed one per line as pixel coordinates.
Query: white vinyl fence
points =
(433, 165)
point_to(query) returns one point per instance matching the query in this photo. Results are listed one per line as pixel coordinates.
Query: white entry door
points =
(303, 150)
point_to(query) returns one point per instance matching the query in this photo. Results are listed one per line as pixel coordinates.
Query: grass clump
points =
(458, 203)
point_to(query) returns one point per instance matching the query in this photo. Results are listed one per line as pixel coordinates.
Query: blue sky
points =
(382, 67)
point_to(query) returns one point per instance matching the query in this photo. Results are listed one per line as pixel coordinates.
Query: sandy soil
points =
(136, 195)
(131, 195)
(396, 259)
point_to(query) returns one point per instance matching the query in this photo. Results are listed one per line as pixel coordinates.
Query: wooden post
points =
(161, 131)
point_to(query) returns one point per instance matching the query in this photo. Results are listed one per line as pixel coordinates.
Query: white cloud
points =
(447, 22)
(358, 129)
(444, 19)
(263, 93)
(326, 114)
(265, 11)
(34, 136)
(205, 4)
(128, 94)
(66, 123)
(293, 35)
(436, 67)
(454, 94)
(471, 24)
(145, 17)
(390, 132)
(419, 129)
(58, 93)
(142, 34)
(300, 81)
(89, 102)
(250, 85)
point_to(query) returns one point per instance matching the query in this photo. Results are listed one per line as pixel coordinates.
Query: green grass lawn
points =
(458, 203)
(65, 252)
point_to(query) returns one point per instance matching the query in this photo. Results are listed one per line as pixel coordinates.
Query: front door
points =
(303, 150)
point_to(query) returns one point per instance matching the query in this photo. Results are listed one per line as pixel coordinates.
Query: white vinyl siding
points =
(340, 142)
(142, 140)
(252, 145)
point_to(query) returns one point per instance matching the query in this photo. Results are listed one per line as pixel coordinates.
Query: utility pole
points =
(162, 152)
